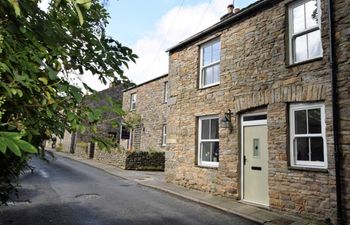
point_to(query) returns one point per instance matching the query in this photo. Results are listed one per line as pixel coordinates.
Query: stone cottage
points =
(81, 143)
(146, 105)
(259, 108)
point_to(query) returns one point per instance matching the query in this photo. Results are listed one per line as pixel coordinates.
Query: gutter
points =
(335, 109)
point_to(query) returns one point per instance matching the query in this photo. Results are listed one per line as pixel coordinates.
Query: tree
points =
(39, 52)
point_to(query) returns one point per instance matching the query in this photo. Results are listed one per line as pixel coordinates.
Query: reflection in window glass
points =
(317, 149)
(205, 129)
(300, 122)
(314, 44)
(298, 19)
(314, 121)
(304, 26)
(311, 14)
(300, 48)
(210, 65)
(302, 146)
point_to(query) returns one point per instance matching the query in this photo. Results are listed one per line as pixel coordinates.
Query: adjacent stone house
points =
(109, 125)
(148, 102)
(82, 145)
(254, 113)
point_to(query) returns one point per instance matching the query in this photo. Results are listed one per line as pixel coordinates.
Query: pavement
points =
(156, 180)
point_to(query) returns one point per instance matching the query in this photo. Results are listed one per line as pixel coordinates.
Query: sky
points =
(151, 27)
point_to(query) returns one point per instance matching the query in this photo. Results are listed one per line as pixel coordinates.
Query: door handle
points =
(244, 160)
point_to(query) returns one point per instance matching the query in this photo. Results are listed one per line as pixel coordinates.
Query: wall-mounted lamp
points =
(226, 119)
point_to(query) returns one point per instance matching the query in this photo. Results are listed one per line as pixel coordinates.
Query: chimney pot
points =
(237, 10)
(230, 8)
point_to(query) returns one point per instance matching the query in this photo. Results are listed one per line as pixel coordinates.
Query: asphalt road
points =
(65, 192)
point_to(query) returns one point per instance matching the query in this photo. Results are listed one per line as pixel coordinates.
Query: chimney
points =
(230, 9)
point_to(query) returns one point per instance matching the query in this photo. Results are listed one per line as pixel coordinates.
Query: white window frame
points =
(202, 67)
(164, 134)
(301, 163)
(133, 101)
(166, 91)
(200, 140)
(292, 36)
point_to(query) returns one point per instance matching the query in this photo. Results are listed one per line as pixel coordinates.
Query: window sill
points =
(311, 169)
(304, 62)
(208, 166)
(209, 86)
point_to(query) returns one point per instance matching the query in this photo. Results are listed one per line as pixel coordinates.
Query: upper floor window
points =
(166, 91)
(210, 64)
(208, 141)
(308, 135)
(133, 101)
(304, 31)
(164, 133)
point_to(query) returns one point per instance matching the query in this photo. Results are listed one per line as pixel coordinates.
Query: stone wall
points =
(153, 161)
(254, 74)
(153, 111)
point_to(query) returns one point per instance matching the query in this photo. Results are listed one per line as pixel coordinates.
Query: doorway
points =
(254, 159)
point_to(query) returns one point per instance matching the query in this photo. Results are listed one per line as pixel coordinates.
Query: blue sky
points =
(132, 19)
(150, 27)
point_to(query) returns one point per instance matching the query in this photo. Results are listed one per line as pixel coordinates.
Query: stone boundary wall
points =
(152, 161)
(145, 161)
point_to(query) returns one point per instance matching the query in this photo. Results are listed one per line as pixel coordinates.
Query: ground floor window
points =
(208, 141)
(308, 135)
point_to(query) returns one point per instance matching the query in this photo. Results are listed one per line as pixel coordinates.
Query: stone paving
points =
(157, 181)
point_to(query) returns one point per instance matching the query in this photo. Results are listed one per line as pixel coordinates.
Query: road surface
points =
(66, 192)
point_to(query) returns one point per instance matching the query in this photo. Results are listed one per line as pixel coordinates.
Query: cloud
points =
(176, 25)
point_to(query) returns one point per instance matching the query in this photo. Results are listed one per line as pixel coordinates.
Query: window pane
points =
(302, 147)
(300, 48)
(216, 73)
(311, 13)
(317, 149)
(206, 55)
(314, 44)
(314, 118)
(215, 151)
(205, 150)
(216, 52)
(298, 19)
(214, 131)
(205, 129)
(300, 122)
(208, 76)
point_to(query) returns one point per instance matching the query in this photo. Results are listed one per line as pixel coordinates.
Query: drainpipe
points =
(335, 109)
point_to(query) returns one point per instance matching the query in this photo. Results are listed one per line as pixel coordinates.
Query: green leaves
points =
(27, 147)
(44, 80)
(12, 141)
(15, 6)
(85, 3)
